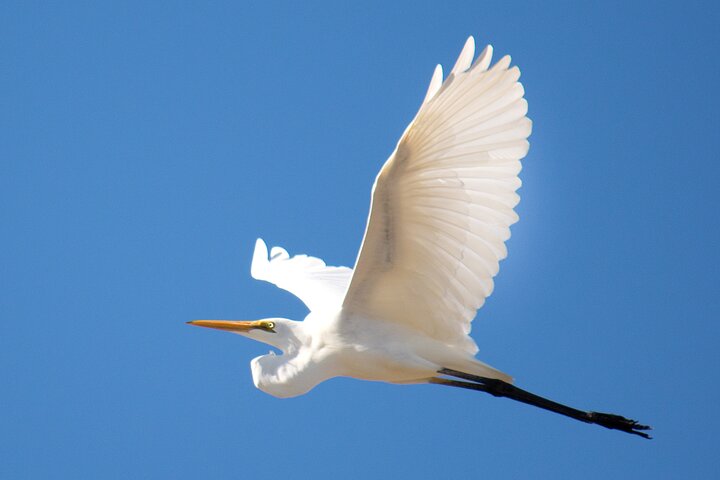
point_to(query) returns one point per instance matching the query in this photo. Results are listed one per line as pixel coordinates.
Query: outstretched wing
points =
(443, 203)
(319, 287)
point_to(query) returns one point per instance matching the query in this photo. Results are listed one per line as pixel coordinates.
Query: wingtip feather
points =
(259, 260)
(503, 63)
(483, 61)
(435, 83)
(465, 58)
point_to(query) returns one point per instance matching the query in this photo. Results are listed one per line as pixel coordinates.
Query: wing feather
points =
(319, 286)
(442, 204)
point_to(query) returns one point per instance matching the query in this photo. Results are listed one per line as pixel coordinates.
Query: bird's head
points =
(278, 332)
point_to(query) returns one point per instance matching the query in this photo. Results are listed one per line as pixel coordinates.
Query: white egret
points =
(441, 210)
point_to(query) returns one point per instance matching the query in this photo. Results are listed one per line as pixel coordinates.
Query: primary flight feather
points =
(441, 210)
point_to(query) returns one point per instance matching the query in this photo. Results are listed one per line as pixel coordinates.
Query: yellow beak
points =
(227, 325)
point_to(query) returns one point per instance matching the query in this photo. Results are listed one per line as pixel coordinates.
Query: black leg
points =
(499, 388)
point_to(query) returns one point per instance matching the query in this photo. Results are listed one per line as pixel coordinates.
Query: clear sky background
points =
(144, 147)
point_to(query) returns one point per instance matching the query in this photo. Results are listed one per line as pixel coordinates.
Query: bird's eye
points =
(270, 325)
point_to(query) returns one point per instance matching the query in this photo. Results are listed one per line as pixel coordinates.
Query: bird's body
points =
(441, 210)
(335, 344)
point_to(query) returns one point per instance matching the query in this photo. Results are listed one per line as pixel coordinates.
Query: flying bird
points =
(440, 213)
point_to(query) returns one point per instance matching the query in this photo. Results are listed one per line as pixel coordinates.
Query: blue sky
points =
(144, 148)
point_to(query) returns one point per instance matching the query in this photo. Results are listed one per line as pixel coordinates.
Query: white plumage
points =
(321, 288)
(441, 209)
(440, 214)
(443, 203)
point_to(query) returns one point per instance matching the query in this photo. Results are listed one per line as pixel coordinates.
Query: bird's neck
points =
(290, 337)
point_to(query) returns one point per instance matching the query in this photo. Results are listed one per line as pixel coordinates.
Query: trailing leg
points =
(500, 388)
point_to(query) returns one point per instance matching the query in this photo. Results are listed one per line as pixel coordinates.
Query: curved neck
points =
(295, 371)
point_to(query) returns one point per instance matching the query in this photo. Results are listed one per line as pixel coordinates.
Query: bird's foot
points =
(618, 422)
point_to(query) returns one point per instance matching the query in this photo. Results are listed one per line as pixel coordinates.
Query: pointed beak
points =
(227, 325)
